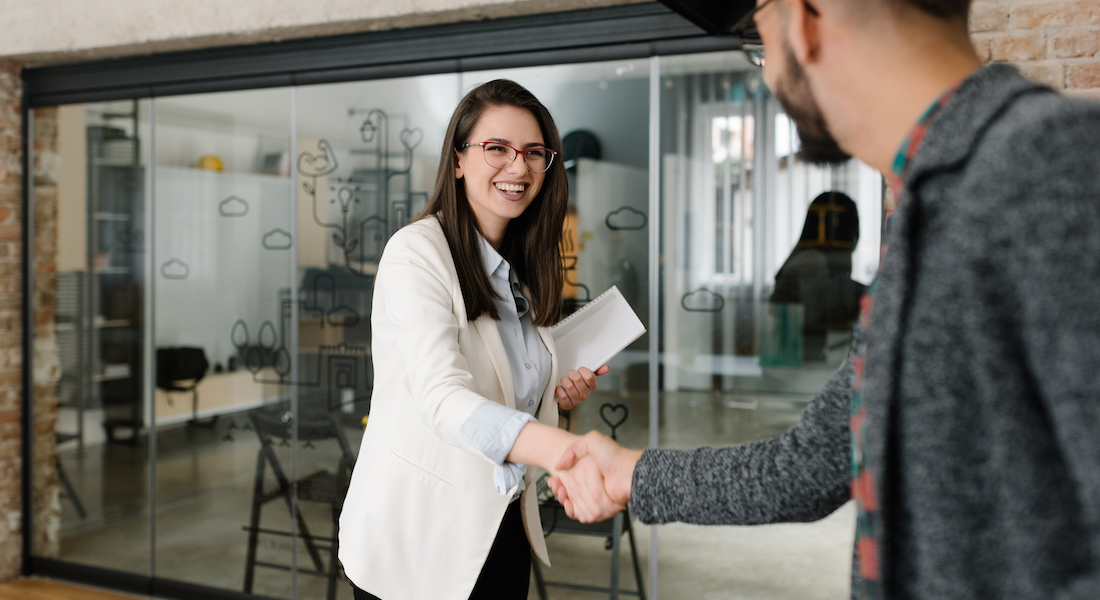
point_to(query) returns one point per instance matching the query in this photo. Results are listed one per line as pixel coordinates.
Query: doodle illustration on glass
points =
(702, 300)
(233, 206)
(625, 219)
(175, 269)
(371, 196)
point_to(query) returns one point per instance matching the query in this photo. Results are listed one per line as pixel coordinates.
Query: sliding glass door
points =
(205, 266)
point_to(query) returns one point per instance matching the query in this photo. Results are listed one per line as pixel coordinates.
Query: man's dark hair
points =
(956, 10)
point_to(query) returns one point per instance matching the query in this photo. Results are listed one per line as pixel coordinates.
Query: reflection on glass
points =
(222, 256)
(758, 284)
(90, 188)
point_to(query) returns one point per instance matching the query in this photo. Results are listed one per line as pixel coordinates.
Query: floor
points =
(40, 589)
(204, 481)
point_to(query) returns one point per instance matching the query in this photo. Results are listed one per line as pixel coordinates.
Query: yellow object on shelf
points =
(365, 421)
(210, 162)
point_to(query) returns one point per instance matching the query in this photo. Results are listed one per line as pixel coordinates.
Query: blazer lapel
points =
(548, 412)
(487, 328)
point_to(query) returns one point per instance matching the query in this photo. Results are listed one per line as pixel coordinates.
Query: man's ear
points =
(803, 31)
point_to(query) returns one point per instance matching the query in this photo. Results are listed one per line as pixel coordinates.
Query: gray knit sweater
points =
(983, 370)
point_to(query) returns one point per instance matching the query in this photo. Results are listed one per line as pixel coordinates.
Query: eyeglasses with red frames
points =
(499, 155)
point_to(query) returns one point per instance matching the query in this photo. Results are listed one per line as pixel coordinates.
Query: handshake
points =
(592, 477)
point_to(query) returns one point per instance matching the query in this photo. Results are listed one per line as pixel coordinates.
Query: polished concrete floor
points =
(204, 481)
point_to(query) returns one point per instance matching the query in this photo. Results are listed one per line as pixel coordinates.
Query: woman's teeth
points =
(511, 187)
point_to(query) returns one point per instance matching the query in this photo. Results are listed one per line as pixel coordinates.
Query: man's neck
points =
(874, 115)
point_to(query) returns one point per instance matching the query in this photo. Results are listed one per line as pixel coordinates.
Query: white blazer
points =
(422, 511)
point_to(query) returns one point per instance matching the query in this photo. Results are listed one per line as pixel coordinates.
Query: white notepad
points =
(594, 334)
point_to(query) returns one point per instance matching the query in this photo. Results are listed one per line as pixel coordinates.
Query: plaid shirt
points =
(863, 479)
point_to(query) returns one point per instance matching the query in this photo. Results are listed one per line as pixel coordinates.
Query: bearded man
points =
(966, 421)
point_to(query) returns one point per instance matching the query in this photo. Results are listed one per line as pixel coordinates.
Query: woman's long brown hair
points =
(531, 241)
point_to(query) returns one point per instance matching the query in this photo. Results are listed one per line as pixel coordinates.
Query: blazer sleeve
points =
(415, 288)
(803, 475)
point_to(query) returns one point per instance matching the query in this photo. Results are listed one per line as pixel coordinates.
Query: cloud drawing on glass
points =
(175, 269)
(233, 206)
(625, 219)
(277, 239)
(702, 300)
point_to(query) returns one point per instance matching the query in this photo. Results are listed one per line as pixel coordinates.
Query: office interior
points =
(215, 256)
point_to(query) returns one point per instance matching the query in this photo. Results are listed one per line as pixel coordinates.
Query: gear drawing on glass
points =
(175, 269)
(625, 219)
(702, 300)
(233, 206)
(374, 201)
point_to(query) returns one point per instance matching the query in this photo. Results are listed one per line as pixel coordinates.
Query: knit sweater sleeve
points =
(803, 475)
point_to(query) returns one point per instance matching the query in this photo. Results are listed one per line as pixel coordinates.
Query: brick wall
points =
(47, 358)
(11, 189)
(47, 370)
(1055, 42)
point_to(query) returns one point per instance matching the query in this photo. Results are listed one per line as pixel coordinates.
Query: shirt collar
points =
(912, 143)
(495, 265)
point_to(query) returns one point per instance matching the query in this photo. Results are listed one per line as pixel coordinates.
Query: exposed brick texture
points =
(11, 172)
(47, 358)
(1055, 42)
(47, 515)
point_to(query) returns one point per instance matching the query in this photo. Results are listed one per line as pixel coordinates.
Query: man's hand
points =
(577, 385)
(615, 463)
(587, 501)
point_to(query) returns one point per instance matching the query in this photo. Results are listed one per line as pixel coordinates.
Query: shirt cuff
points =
(492, 429)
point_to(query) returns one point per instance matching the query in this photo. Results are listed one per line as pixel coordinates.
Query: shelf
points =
(108, 162)
(113, 372)
(116, 377)
(114, 271)
(109, 216)
(100, 323)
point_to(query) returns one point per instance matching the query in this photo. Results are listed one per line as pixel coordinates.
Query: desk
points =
(219, 393)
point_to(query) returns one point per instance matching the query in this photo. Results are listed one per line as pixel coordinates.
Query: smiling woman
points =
(467, 394)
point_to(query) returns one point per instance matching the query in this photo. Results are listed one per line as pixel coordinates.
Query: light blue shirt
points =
(493, 428)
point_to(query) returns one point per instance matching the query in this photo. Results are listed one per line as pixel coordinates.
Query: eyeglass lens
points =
(755, 53)
(500, 156)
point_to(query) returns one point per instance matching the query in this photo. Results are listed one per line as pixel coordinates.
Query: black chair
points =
(321, 486)
(554, 520)
(176, 365)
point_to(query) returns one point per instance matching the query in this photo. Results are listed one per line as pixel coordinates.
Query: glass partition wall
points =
(209, 345)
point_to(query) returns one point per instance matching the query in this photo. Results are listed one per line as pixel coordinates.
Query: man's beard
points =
(793, 91)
